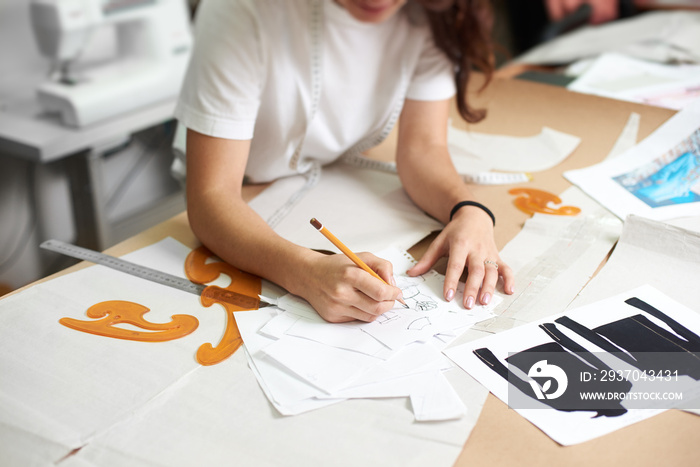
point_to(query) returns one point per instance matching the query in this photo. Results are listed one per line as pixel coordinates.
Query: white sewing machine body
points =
(153, 44)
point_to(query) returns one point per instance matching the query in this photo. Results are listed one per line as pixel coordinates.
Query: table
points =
(502, 437)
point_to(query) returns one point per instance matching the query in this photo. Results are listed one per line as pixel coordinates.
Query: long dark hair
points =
(462, 30)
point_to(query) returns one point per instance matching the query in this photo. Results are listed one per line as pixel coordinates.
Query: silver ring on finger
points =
(488, 261)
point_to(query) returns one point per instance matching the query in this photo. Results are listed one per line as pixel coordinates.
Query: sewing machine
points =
(152, 43)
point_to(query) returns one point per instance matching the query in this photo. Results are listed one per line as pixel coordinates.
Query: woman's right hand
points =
(340, 291)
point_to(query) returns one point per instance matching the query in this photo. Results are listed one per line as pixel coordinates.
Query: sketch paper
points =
(571, 427)
(289, 394)
(325, 363)
(659, 178)
(437, 401)
(428, 314)
(325, 367)
(346, 336)
(629, 79)
(478, 152)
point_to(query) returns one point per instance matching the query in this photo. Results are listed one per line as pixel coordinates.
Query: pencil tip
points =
(405, 306)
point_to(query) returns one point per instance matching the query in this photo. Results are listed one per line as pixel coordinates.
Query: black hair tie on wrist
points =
(461, 204)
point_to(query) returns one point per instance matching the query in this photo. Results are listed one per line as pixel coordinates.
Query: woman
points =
(276, 86)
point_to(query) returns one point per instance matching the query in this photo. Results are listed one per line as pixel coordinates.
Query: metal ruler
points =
(153, 275)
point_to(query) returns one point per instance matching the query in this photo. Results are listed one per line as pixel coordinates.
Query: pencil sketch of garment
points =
(412, 294)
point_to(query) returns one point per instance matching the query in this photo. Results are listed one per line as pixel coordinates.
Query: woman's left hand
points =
(467, 240)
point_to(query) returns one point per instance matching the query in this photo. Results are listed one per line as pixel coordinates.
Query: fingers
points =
(372, 295)
(475, 278)
(455, 267)
(432, 254)
(349, 314)
(508, 278)
(491, 272)
(355, 294)
(381, 266)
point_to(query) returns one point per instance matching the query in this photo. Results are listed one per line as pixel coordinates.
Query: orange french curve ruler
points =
(153, 275)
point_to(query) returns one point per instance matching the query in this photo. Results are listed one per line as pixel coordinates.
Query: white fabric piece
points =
(59, 384)
(344, 197)
(221, 416)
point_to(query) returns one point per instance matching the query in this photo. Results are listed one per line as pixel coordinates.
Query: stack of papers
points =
(303, 362)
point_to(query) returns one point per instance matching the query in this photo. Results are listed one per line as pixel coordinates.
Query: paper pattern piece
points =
(303, 362)
(632, 322)
(629, 79)
(659, 178)
(393, 220)
(478, 152)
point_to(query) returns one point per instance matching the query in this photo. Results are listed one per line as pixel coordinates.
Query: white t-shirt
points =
(304, 80)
